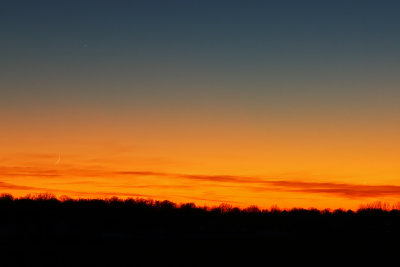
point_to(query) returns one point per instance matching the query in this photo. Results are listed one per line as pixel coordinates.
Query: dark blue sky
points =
(286, 58)
(202, 38)
(246, 51)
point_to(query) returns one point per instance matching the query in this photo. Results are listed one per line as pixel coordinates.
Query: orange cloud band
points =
(352, 191)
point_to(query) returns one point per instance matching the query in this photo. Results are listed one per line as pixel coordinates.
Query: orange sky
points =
(204, 162)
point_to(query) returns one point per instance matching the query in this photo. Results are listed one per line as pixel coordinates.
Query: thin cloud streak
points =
(4, 185)
(10, 186)
(339, 189)
(259, 184)
(344, 190)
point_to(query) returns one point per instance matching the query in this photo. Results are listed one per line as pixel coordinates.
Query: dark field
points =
(137, 232)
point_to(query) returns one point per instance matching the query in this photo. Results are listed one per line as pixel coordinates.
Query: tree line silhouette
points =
(45, 216)
(98, 226)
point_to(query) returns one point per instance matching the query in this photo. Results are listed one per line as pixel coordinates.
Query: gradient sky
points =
(294, 103)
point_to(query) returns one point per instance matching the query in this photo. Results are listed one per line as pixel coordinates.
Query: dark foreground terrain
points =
(135, 232)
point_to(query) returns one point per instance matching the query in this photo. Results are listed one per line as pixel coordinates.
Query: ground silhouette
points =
(127, 232)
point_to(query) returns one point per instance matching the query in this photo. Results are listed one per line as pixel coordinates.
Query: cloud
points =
(28, 171)
(4, 185)
(200, 177)
(339, 189)
(10, 186)
(259, 184)
(267, 184)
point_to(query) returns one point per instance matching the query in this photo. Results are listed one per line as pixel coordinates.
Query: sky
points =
(288, 103)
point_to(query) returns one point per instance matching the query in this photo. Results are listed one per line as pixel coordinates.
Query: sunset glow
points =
(232, 102)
